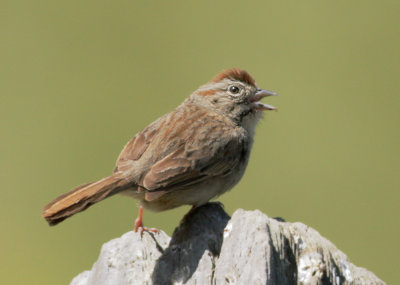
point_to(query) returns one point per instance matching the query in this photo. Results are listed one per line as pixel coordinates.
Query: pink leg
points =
(139, 224)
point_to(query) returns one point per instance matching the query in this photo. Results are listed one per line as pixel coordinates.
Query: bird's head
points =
(235, 94)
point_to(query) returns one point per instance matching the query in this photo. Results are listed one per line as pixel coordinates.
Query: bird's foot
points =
(144, 229)
(139, 225)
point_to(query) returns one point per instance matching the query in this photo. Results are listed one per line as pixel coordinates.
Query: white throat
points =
(250, 121)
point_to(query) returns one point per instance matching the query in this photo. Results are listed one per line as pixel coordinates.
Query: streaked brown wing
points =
(186, 146)
(185, 167)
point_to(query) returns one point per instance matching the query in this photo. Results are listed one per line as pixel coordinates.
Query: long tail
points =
(81, 198)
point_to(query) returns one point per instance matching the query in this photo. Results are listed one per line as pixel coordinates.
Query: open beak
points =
(255, 101)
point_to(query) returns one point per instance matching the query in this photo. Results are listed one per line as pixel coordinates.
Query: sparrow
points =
(186, 157)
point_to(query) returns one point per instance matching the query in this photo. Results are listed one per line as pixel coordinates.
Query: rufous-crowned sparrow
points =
(187, 157)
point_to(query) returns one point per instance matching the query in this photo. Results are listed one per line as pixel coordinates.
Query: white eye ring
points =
(234, 90)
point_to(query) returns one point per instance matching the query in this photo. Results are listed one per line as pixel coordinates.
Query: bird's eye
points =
(234, 89)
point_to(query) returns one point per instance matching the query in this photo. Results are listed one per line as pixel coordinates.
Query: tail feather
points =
(81, 198)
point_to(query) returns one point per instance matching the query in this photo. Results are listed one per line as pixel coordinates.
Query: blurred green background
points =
(79, 78)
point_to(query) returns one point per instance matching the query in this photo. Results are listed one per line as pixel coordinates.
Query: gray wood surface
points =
(209, 247)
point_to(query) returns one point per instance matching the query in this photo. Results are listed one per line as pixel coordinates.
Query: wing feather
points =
(176, 154)
(182, 169)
